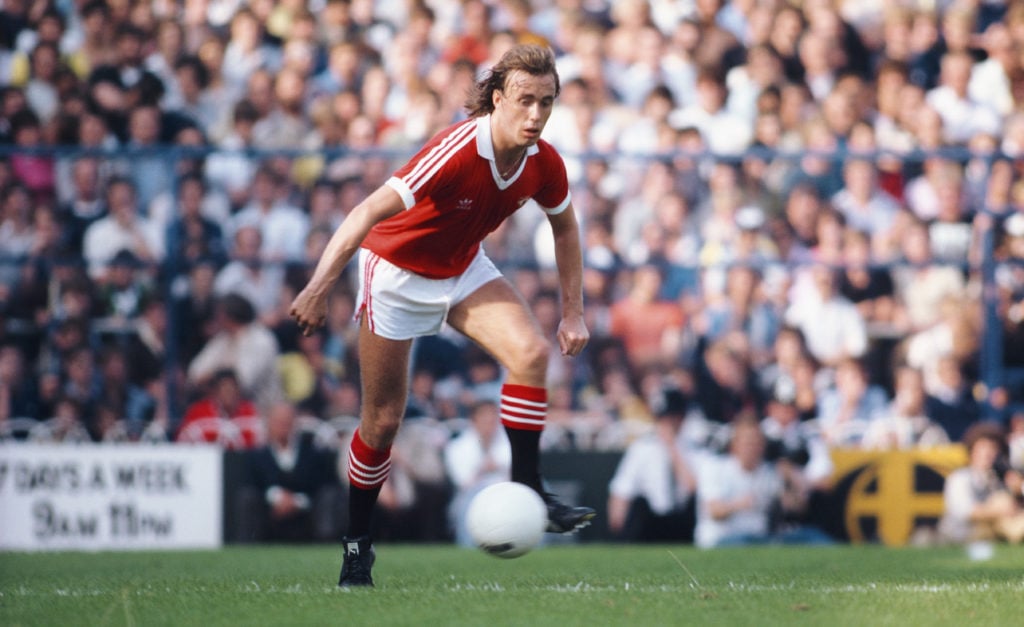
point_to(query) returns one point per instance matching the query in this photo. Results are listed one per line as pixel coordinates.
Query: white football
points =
(507, 519)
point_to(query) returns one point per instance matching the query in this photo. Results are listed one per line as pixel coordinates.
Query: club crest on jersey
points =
(464, 205)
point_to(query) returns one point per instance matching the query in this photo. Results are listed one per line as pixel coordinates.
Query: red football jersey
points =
(454, 197)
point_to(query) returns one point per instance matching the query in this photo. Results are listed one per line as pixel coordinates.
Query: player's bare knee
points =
(379, 429)
(531, 356)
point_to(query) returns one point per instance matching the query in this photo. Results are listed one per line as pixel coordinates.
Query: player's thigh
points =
(497, 318)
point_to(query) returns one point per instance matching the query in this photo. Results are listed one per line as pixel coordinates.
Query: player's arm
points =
(310, 307)
(572, 330)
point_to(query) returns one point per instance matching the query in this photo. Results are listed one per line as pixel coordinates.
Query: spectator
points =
(246, 52)
(150, 173)
(19, 396)
(121, 229)
(121, 295)
(651, 495)
(832, 325)
(921, 284)
(981, 498)
(194, 308)
(950, 401)
(725, 133)
(286, 125)
(726, 388)
(863, 283)
(283, 226)
(122, 406)
(228, 171)
(35, 172)
(191, 235)
(249, 275)
(244, 345)
(962, 116)
(224, 400)
(737, 493)
(846, 410)
(84, 203)
(81, 383)
(742, 308)
(804, 463)
(480, 455)
(308, 377)
(292, 492)
(649, 326)
(866, 206)
(905, 423)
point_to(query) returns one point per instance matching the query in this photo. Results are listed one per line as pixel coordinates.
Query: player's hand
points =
(572, 335)
(309, 310)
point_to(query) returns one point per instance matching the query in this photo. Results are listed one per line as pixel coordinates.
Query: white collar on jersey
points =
(484, 145)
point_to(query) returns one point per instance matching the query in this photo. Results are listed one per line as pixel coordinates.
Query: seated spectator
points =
(962, 116)
(862, 201)
(726, 387)
(476, 458)
(283, 226)
(192, 235)
(649, 326)
(868, 287)
(224, 401)
(737, 493)
(950, 401)
(742, 307)
(244, 345)
(122, 294)
(651, 496)
(307, 376)
(292, 491)
(804, 463)
(846, 410)
(122, 229)
(922, 284)
(19, 394)
(905, 422)
(982, 498)
(831, 324)
(251, 276)
(130, 406)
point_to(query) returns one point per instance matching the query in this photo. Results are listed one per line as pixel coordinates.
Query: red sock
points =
(367, 467)
(523, 407)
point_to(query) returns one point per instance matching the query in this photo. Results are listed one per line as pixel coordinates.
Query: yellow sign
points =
(893, 488)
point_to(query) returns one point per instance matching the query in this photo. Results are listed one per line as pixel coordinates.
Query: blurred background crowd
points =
(801, 214)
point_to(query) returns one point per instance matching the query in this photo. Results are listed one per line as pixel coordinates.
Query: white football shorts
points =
(400, 305)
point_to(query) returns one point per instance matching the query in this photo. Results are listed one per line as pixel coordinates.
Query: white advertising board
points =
(110, 497)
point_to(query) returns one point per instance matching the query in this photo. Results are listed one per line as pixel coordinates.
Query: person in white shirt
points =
(478, 457)
(980, 504)
(244, 345)
(962, 116)
(651, 495)
(725, 132)
(904, 423)
(121, 229)
(284, 227)
(737, 493)
(832, 325)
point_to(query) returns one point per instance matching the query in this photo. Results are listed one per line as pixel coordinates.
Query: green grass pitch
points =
(559, 585)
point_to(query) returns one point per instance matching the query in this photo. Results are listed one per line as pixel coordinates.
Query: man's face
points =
(523, 107)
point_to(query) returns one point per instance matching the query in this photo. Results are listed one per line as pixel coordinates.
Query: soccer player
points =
(421, 265)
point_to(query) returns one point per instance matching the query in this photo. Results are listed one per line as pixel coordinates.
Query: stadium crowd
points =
(786, 209)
